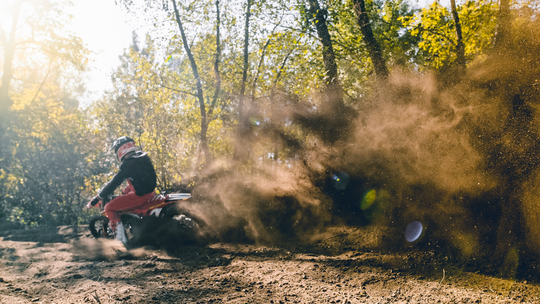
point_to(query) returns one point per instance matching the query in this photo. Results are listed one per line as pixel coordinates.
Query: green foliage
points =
(397, 42)
(436, 28)
(45, 181)
(42, 161)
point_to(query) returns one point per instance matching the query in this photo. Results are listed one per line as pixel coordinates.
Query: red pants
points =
(127, 201)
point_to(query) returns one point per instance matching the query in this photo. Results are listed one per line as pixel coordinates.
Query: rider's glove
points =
(93, 201)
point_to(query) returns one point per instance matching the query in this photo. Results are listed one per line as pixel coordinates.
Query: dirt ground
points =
(64, 265)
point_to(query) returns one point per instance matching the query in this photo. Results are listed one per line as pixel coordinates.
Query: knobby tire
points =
(101, 230)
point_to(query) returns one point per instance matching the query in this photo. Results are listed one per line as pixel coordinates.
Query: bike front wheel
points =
(99, 227)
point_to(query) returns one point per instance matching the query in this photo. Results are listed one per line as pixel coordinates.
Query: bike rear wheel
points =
(99, 227)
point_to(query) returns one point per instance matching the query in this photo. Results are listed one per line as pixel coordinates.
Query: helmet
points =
(123, 146)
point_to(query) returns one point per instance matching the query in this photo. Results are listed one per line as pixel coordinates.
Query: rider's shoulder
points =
(135, 156)
(139, 154)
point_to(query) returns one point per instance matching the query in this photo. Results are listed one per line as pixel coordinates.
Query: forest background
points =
(285, 117)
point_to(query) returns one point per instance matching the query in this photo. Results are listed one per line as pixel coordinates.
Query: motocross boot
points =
(120, 233)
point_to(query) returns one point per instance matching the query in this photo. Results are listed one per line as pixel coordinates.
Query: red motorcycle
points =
(158, 220)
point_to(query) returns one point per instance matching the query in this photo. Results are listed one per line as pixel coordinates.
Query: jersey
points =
(139, 170)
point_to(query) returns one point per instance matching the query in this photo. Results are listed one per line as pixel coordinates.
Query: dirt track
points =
(65, 266)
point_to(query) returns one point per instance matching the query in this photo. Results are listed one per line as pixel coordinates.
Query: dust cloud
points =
(457, 153)
(104, 250)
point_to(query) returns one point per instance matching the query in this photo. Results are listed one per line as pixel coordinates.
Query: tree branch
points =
(281, 69)
(296, 30)
(42, 83)
(179, 91)
(256, 78)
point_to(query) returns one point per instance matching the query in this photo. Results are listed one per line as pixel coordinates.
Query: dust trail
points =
(461, 157)
(104, 250)
(272, 204)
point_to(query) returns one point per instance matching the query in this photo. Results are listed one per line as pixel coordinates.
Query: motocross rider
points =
(136, 167)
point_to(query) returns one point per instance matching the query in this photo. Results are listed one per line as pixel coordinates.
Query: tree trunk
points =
(329, 58)
(516, 170)
(502, 36)
(374, 49)
(5, 100)
(246, 62)
(9, 44)
(332, 120)
(216, 63)
(239, 150)
(460, 47)
(200, 96)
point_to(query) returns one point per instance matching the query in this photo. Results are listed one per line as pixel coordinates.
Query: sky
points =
(106, 30)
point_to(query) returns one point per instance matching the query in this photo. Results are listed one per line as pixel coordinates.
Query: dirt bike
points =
(159, 220)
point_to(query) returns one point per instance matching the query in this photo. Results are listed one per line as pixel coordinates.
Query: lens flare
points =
(413, 231)
(368, 199)
(254, 121)
(168, 58)
(341, 180)
(374, 204)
